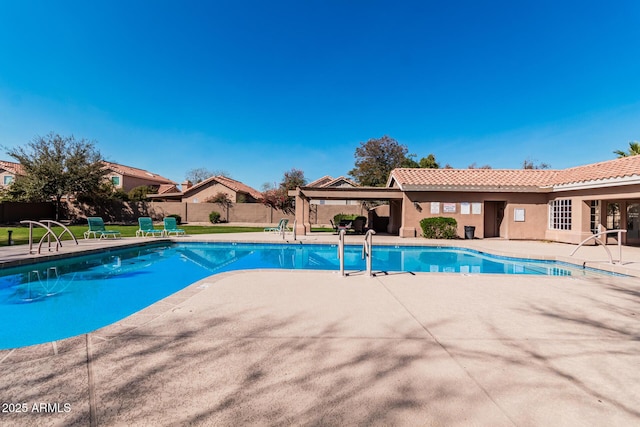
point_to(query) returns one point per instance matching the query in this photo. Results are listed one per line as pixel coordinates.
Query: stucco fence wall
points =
(13, 212)
(253, 213)
(249, 213)
(129, 212)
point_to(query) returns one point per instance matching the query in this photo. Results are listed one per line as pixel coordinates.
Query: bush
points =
(177, 217)
(138, 194)
(348, 217)
(214, 217)
(439, 228)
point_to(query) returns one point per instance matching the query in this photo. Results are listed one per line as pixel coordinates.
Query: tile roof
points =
(136, 172)
(230, 183)
(320, 181)
(418, 179)
(623, 167)
(167, 189)
(328, 181)
(610, 172)
(338, 180)
(14, 168)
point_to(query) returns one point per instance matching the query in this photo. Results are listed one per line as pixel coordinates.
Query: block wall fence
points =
(129, 212)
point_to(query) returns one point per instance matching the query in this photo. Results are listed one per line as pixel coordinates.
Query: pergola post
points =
(302, 214)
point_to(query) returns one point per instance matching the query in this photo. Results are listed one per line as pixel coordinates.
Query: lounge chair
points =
(96, 227)
(334, 226)
(345, 225)
(282, 226)
(146, 228)
(171, 226)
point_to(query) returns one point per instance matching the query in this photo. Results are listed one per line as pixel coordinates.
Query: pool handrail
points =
(367, 246)
(65, 229)
(596, 236)
(46, 235)
(341, 235)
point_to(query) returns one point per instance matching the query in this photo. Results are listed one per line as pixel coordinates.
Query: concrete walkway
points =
(315, 348)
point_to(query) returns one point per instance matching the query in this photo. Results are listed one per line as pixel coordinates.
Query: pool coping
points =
(28, 259)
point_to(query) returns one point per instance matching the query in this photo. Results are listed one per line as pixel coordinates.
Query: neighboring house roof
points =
(167, 189)
(328, 181)
(11, 167)
(138, 173)
(320, 181)
(622, 171)
(232, 184)
(340, 181)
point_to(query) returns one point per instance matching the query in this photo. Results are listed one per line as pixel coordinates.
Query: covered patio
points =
(304, 195)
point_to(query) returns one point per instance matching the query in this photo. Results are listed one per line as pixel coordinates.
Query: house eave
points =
(600, 183)
(476, 188)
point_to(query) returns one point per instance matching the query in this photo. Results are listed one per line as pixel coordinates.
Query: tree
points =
(475, 166)
(634, 150)
(200, 174)
(293, 179)
(429, 162)
(56, 166)
(376, 158)
(531, 164)
(408, 162)
(139, 193)
(278, 198)
(222, 199)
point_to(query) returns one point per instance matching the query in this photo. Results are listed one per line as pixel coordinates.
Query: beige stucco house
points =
(559, 205)
(127, 177)
(202, 192)
(8, 172)
(121, 176)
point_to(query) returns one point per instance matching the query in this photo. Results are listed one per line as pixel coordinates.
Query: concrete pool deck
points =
(275, 347)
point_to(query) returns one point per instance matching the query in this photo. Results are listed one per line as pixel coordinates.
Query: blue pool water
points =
(55, 300)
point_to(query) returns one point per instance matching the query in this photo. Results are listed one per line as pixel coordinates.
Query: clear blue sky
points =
(256, 88)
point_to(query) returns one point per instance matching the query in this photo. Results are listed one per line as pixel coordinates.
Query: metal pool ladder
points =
(341, 235)
(367, 246)
(596, 236)
(47, 224)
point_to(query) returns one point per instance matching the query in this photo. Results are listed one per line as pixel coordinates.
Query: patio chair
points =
(171, 226)
(146, 228)
(334, 226)
(359, 225)
(96, 227)
(282, 226)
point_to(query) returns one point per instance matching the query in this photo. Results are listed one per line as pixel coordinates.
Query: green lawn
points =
(20, 235)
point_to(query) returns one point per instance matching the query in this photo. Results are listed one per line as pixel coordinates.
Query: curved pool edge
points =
(116, 329)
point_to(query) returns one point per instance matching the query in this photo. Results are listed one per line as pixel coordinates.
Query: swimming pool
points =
(55, 300)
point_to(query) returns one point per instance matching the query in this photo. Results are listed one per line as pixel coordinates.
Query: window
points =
(115, 180)
(8, 179)
(595, 216)
(560, 214)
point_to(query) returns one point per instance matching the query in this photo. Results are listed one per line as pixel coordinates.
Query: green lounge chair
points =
(282, 226)
(96, 227)
(146, 228)
(171, 226)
